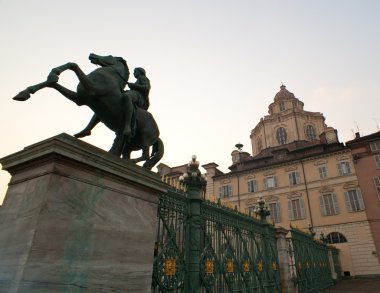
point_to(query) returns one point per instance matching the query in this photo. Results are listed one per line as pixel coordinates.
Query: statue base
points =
(76, 218)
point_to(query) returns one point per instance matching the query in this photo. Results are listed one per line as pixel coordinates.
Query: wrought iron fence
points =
(309, 262)
(236, 252)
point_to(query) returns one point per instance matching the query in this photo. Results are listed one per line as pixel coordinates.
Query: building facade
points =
(307, 177)
(366, 154)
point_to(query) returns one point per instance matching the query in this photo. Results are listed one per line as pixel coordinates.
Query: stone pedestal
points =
(287, 284)
(76, 219)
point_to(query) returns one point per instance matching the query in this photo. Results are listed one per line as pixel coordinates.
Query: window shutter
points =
(335, 203)
(265, 183)
(340, 169)
(348, 204)
(302, 206)
(348, 168)
(275, 181)
(360, 199)
(298, 179)
(220, 192)
(290, 178)
(278, 211)
(290, 210)
(377, 158)
(229, 190)
(322, 206)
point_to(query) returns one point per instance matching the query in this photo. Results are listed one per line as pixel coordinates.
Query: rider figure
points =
(138, 96)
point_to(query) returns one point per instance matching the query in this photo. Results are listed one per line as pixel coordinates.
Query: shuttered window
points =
(275, 212)
(322, 172)
(354, 200)
(296, 209)
(270, 182)
(252, 186)
(225, 191)
(344, 168)
(294, 178)
(328, 204)
(376, 181)
(377, 161)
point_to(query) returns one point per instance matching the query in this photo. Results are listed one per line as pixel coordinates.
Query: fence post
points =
(287, 284)
(195, 184)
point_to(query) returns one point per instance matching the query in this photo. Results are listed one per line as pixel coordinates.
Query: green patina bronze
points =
(211, 247)
(309, 262)
(124, 112)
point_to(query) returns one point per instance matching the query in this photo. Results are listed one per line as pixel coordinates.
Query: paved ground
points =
(356, 286)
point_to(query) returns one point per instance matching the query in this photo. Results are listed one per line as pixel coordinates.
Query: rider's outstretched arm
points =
(87, 130)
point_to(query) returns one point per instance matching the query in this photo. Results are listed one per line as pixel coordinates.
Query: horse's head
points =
(110, 60)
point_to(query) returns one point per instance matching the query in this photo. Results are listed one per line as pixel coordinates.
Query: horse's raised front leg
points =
(25, 94)
(55, 72)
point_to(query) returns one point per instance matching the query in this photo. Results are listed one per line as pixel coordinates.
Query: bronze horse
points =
(103, 91)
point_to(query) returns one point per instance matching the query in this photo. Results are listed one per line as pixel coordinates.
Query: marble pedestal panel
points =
(76, 219)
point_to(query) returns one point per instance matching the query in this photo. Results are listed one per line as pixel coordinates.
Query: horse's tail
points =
(157, 154)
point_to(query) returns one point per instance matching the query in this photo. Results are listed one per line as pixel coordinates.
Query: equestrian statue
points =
(124, 112)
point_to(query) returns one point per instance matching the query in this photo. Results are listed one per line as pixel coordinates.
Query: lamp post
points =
(262, 210)
(195, 183)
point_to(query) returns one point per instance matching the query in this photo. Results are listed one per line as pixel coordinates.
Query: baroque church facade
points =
(307, 178)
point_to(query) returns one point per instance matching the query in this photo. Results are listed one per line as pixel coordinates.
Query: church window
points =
(281, 135)
(259, 145)
(282, 106)
(310, 133)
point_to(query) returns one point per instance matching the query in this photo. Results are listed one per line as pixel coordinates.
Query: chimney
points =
(357, 135)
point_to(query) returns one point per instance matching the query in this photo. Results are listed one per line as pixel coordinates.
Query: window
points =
(275, 212)
(375, 146)
(310, 133)
(270, 182)
(322, 172)
(344, 168)
(251, 210)
(376, 180)
(335, 237)
(259, 145)
(296, 210)
(282, 106)
(294, 105)
(252, 186)
(225, 191)
(281, 135)
(354, 200)
(294, 178)
(329, 205)
(377, 160)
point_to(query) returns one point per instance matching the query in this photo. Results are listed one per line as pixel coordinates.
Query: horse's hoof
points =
(22, 96)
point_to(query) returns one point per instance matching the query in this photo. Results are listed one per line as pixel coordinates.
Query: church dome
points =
(283, 94)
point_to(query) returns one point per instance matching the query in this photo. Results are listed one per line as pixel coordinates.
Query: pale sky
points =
(214, 67)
